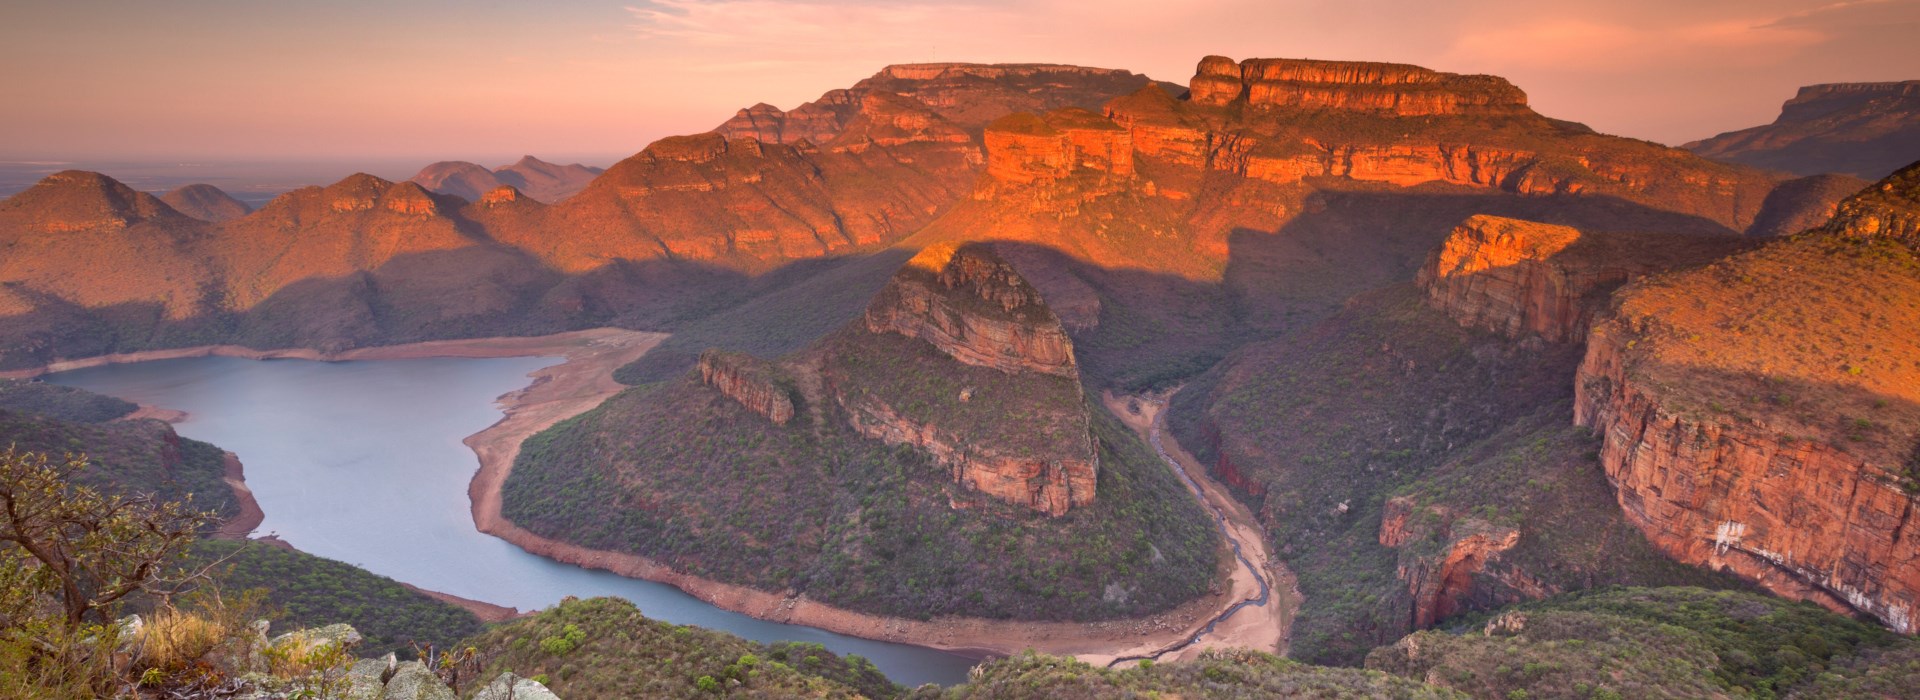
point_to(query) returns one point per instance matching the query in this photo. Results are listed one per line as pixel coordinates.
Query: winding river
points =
(362, 461)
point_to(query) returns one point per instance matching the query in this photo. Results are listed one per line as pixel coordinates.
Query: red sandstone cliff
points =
(1762, 415)
(976, 309)
(1391, 88)
(1440, 554)
(1522, 278)
(751, 381)
(986, 382)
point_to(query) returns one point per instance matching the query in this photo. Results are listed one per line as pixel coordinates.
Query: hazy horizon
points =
(223, 80)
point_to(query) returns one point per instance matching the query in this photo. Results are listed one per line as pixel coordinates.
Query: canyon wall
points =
(1800, 517)
(1440, 556)
(1390, 88)
(1523, 278)
(997, 402)
(751, 381)
(976, 309)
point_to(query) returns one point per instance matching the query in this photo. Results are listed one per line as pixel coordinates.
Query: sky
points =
(489, 80)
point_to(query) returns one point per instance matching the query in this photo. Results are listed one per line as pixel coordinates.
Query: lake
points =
(363, 462)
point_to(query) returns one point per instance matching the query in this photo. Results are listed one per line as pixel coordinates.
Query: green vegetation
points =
(604, 648)
(129, 457)
(1216, 674)
(1029, 415)
(1653, 643)
(1390, 398)
(678, 473)
(60, 402)
(303, 590)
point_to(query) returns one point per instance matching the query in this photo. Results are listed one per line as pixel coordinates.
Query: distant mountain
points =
(206, 203)
(968, 94)
(535, 178)
(1866, 130)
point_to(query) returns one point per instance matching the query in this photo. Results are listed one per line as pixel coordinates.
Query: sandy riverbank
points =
(585, 380)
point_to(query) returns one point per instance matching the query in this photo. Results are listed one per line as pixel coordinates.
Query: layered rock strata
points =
(1016, 430)
(1523, 278)
(1390, 88)
(1762, 415)
(1440, 556)
(754, 383)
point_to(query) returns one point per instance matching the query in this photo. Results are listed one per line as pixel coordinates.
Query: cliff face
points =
(1762, 415)
(1890, 209)
(1390, 88)
(751, 381)
(1440, 556)
(1025, 149)
(1522, 278)
(976, 309)
(960, 357)
(969, 95)
(1867, 130)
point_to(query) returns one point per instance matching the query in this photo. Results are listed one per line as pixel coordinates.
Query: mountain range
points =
(1450, 354)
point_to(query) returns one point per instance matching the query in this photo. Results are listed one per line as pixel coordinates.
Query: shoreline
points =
(585, 380)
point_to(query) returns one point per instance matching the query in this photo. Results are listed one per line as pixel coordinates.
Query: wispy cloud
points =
(818, 30)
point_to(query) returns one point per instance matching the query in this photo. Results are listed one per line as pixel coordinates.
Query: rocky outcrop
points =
(1023, 148)
(1889, 209)
(1384, 88)
(996, 398)
(755, 383)
(1867, 130)
(1762, 414)
(1440, 556)
(1522, 278)
(976, 309)
(1050, 486)
(1800, 517)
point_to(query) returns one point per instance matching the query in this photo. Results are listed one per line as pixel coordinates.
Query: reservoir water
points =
(363, 462)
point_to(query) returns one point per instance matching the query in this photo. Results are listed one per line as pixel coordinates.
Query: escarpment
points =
(1762, 414)
(1523, 278)
(755, 383)
(959, 357)
(1392, 88)
(1866, 130)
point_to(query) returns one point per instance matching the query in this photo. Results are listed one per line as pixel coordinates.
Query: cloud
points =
(817, 30)
(1856, 14)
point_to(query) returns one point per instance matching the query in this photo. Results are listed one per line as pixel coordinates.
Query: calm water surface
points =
(362, 462)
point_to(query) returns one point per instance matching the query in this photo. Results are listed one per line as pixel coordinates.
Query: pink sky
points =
(488, 80)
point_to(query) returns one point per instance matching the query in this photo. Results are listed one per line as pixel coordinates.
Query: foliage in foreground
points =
(303, 590)
(604, 648)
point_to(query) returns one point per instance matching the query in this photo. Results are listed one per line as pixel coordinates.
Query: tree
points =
(66, 545)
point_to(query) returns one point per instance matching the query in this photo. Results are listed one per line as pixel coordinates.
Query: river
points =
(362, 462)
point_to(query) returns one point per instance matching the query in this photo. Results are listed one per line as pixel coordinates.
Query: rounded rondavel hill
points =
(936, 457)
(206, 203)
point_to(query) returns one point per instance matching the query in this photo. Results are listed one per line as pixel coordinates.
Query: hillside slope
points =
(1866, 130)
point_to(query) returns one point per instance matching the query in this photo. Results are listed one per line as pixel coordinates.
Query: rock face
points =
(1762, 415)
(1023, 148)
(1889, 209)
(1440, 555)
(976, 309)
(1390, 88)
(1867, 130)
(986, 382)
(206, 203)
(969, 95)
(755, 383)
(1522, 278)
